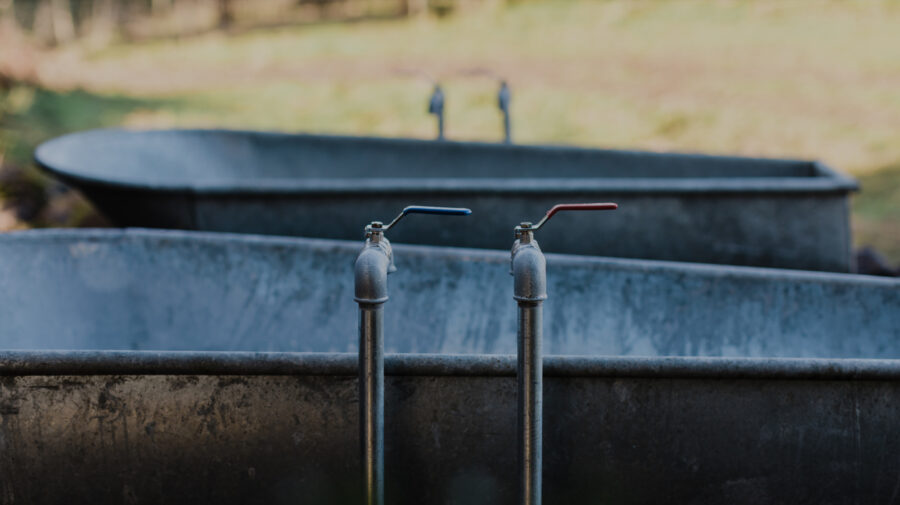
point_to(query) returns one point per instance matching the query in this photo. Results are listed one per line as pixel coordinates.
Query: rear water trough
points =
(679, 207)
(171, 367)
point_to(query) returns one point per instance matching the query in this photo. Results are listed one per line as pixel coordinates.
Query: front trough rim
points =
(19, 363)
(501, 257)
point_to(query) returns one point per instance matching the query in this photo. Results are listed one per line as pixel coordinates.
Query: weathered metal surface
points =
(617, 430)
(711, 209)
(172, 290)
(229, 427)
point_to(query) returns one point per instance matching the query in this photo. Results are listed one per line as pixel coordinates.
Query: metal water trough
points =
(709, 209)
(147, 380)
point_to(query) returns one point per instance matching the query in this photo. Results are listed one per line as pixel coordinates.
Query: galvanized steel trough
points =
(680, 207)
(163, 369)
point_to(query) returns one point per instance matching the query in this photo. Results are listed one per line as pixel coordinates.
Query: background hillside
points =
(806, 78)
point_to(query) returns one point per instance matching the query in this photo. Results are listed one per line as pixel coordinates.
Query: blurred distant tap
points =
(503, 98)
(436, 107)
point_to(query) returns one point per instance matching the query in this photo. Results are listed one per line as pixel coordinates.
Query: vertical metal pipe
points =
(529, 271)
(507, 128)
(370, 290)
(530, 382)
(503, 99)
(371, 400)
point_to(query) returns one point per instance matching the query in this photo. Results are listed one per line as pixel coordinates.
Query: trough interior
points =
(169, 290)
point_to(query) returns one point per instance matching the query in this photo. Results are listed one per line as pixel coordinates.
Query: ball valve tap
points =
(529, 271)
(374, 263)
(436, 107)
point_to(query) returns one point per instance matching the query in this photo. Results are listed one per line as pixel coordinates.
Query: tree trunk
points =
(7, 11)
(415, 8)
(159, 8)
(17, 56)
(103, 21)
(63, 24)
(226, 16)
(43, 22)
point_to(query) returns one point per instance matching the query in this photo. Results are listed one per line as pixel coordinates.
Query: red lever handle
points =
(581, 206)
(575, 206)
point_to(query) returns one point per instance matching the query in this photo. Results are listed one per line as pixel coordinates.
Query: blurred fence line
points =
(56, 22)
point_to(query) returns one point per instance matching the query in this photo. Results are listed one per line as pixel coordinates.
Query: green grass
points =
(34, 115)
(28, 116)
(876, 211)
(807, 78)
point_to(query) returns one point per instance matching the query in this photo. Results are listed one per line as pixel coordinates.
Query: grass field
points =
(806, 78)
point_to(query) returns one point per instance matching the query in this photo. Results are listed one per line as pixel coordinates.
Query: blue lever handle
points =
(422, 209)
(444, 211)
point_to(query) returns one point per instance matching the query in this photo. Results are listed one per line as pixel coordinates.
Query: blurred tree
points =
(63, 22)
(158, 8)
(225, 13)
(53, 22)
(414, 7)
(102, 21)
(17, 56)
(56, 22)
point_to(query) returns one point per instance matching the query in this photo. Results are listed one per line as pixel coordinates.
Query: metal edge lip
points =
(721, 271)
(846, 181)
(17, 363)
(176, 235)
(498, 256)
(411, 141)
(827, 180)
(542, 186)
